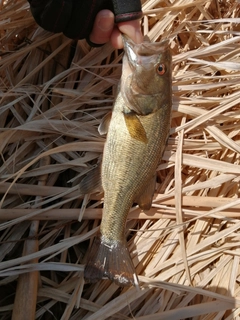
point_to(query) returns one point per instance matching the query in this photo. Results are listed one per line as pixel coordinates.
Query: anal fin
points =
(144, 200)
(112, 261)
(92, 183)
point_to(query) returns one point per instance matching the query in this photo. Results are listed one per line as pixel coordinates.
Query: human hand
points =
(105, 30)
(90, 19)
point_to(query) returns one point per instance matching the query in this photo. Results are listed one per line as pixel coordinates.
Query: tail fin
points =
(110, 261)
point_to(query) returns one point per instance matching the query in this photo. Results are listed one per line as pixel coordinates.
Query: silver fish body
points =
(136, 138)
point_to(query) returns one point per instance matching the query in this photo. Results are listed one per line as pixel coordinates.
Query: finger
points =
(102, 28)
(130, 28)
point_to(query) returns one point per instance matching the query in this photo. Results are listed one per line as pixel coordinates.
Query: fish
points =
(137, 132)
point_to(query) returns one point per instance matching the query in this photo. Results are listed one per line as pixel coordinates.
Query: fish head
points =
(147, 73)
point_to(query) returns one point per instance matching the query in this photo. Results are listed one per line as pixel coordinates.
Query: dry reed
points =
(54, 93)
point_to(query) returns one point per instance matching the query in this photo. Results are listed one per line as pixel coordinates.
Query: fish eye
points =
(161, 69)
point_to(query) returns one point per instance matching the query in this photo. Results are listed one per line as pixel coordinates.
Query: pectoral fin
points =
(135, 127)
(145, 199)
(104, 125)
(92, 183)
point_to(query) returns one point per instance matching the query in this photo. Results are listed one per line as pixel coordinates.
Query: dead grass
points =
(54, 93)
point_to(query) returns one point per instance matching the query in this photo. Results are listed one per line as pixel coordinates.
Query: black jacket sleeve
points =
(75, 18)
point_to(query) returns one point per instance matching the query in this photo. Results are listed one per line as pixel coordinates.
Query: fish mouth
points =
(143, 53)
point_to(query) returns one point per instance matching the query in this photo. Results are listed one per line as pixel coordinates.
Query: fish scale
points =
(132, 182)
(136, 138)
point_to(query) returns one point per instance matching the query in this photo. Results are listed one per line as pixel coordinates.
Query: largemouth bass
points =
(136, 138)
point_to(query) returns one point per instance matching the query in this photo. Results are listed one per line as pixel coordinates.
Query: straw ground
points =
(54, 93)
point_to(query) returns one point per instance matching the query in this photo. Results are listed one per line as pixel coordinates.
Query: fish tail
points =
(112, 261)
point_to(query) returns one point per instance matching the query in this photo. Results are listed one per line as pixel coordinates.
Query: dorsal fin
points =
(144, 200)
